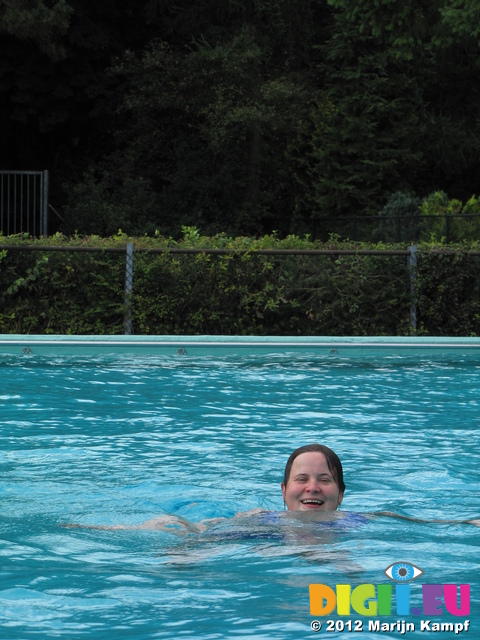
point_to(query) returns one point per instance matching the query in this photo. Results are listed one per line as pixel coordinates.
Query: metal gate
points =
(24, 202)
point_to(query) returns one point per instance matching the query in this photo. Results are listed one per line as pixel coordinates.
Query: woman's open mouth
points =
(312, 502)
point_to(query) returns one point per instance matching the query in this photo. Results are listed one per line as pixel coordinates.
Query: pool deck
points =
(26, 345)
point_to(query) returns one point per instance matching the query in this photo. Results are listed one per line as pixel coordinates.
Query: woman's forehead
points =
(313, 461)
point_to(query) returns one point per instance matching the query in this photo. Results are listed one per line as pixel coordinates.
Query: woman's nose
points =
(313, 486)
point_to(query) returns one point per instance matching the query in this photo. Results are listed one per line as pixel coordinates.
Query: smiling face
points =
(311, 485)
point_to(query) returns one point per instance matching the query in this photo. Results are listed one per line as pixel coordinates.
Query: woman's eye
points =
(403, 572)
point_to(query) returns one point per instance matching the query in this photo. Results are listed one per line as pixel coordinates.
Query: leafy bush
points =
(111, 201)
(399, 219)
(240, 292)
(448, 293)
(452, 223)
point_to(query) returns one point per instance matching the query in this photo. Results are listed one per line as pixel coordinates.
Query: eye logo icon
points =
(403, 572)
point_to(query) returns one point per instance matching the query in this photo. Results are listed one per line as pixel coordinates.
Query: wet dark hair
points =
(333, 462)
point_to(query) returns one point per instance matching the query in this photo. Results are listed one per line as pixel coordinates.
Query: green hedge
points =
(239, 293)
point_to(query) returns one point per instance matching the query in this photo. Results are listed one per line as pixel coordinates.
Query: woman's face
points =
(311, 485)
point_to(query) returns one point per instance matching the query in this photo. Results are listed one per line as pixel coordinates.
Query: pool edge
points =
(14, 344)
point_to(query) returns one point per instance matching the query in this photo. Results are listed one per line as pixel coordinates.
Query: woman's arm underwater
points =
(390, 514)
(169, 523)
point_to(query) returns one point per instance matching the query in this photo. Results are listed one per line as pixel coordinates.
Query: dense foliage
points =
(243, 116)
(436, 218)
(240, 292)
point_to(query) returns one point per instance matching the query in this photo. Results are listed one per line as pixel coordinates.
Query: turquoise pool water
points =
(120, 439)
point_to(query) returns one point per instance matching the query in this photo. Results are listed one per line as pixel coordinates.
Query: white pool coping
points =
(11, 344)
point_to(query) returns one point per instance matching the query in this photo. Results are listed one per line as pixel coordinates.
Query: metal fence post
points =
(127, 322)
(412, 266)
(44, 215)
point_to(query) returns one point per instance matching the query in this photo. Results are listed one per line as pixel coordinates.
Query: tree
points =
(366, 142)
(53, 57)
(462, 18)
(34, 20)
(208, 129)
(399, 106)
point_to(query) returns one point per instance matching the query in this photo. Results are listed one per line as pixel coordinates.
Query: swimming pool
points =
(107, 438)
